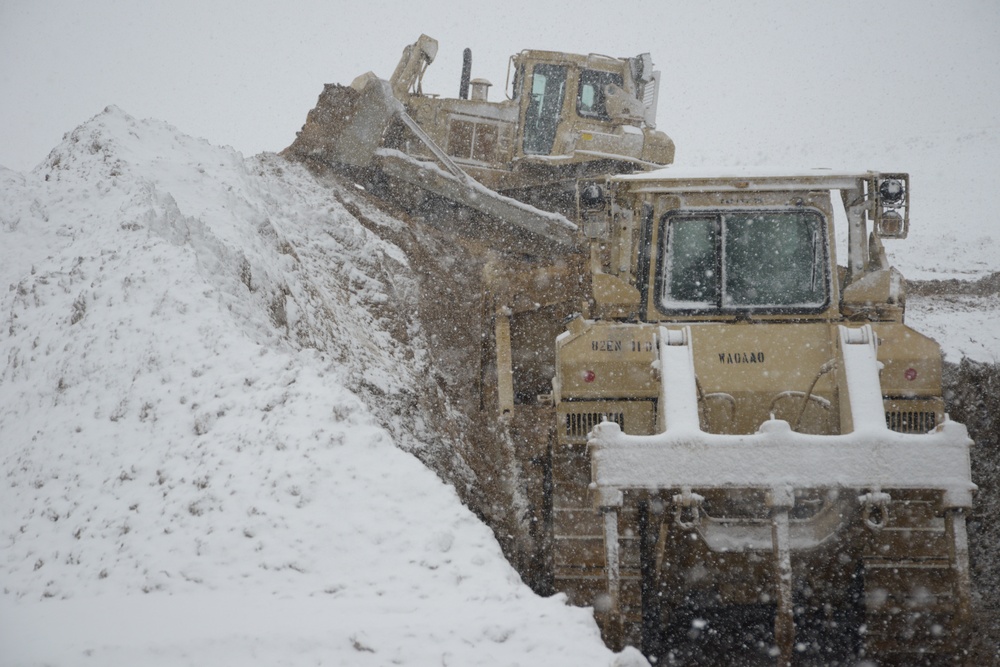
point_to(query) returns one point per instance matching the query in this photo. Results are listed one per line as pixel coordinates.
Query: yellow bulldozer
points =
(469, 164)
(745, 429)
(734, 445)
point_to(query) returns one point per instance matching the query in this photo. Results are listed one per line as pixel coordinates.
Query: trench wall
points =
(972, 396)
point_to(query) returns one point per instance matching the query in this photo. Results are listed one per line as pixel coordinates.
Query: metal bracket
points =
(875, 510)
(687, 513)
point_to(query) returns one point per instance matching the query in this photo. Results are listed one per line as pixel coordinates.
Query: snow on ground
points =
(187, 477)
(952, 222)
(964, 325)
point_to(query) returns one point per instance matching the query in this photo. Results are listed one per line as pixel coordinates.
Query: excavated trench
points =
(972, 397)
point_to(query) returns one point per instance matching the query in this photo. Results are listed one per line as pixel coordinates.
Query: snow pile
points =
(190, 474)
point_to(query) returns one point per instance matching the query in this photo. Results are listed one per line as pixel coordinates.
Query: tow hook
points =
(875, 510)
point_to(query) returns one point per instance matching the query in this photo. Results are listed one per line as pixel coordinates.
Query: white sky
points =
(752, 74)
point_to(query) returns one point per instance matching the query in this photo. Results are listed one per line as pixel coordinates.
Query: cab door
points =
(546, 94)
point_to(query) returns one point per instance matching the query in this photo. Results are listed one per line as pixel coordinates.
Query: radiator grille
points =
(910, 421)
(579, 424)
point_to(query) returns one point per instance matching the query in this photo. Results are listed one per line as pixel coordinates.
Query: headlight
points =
(891, 191)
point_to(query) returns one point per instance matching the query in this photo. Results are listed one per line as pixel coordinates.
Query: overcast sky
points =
(745, 74)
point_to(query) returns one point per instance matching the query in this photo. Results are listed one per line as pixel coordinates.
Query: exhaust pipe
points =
(463, 89)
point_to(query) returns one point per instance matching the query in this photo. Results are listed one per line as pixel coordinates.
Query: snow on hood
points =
(183, 447)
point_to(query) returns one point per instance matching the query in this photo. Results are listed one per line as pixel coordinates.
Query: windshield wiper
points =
(813, 278)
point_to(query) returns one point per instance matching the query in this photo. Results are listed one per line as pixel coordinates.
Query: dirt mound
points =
(985, 286)
(447, 309)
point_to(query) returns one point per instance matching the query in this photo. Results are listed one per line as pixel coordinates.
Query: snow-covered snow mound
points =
(189, 474)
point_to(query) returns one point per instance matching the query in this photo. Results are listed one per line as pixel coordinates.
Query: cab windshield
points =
(743, 261)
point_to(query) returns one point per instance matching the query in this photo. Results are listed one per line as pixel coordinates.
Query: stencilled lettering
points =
(741, 357)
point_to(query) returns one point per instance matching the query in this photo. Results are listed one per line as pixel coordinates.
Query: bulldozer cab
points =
(573, 104)
(564, 116)
(697, 246)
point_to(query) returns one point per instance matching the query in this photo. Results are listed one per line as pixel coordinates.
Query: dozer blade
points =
(362, 126)
(916, 598)
(505, 223)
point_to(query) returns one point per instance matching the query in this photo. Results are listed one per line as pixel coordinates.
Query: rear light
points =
(589, 376)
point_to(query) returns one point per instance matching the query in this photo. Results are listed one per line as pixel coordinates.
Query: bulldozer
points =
(746, 434)
(730, 442)
(475, 166)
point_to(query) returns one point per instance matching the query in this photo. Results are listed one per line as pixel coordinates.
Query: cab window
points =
(591, 93)
(744, 261)
(541, 118)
